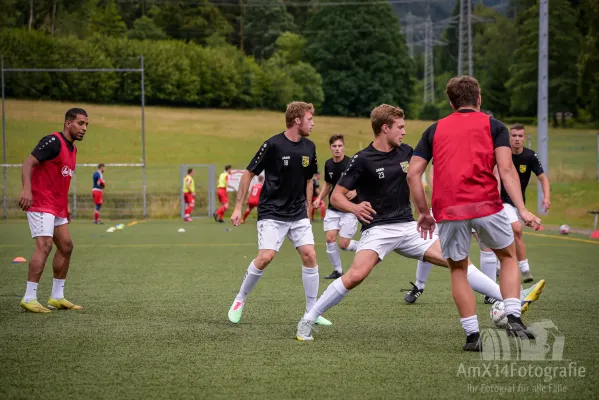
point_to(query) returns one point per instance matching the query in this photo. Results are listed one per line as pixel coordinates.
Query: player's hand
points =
(316, 203)
(530, 219)
(351, 195)
(236, 217)
(364, 212)
(546, 204)
(26, 199)
(69, 214)
(426, 225)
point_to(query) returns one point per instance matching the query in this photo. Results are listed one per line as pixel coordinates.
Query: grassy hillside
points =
(175, 136)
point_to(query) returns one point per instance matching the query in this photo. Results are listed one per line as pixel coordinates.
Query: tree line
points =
(262, 54)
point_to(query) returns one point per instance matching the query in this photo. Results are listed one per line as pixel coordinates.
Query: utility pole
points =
(429, 74)
(542, 98)
(465, 37)
(410, 33)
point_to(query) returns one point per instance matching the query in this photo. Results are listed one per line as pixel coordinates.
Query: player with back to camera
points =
(465, 197)
(98, 185)
(189, 195)
(289, 162)
(254, 198)
(46, 176)
(221, 191)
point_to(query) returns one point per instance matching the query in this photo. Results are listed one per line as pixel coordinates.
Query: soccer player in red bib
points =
(46, 176)
(221, 191)
(254, 198)
(98, 192)
(466, 146)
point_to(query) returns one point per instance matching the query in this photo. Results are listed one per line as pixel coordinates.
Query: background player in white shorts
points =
(379, 173)
(335, 221)
(526, 161)
(289, 162)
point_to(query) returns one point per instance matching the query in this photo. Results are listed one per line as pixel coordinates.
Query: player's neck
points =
(381, 144)
(517, 151)
(469, 108)
(338, 159)
(68, 136)
(293, 135)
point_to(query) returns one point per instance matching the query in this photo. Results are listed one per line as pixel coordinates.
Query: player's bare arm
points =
(546, 190)
(511, 183)
(27, 170)
(309, 194)
(363, 210)
(244, 184)
(326, 188)
(426, 223)
(351, 195)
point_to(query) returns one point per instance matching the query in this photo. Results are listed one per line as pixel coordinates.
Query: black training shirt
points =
(524, 162)
(288, 167)
(333, 172)
(49, 148)
(380, 178)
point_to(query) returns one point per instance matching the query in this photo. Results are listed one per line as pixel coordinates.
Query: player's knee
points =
(331, 236)
(354, 277)
(518, 233)
(226, 205)
(263, 259)
(309, 256)
(66, 247)
(344, 243)
(44, 245)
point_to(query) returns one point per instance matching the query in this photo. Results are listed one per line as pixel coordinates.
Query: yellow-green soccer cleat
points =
(532, 294)
(62, 304)
(33, 306)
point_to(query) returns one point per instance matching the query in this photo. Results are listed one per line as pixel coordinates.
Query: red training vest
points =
(51, 179)
(464, 157)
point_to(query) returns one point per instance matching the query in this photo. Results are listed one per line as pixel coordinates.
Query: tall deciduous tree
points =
(362, 57)
(589, 60)
(263, 24)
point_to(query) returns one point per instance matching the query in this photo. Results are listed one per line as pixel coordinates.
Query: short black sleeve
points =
(500, 134)
(535, 165)
(260, 160)
(424, 148)
(353, 173)
(47, 149)
(314, 166)
(327, 176)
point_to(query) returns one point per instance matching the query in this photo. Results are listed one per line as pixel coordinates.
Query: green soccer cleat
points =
(323, 321)
(235, 311)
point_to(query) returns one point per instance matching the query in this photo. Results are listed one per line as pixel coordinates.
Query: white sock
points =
(353, 246)
(310, 280)
(252, 276)
(482, 284)
(488, 264)
(512, 306)
(57, 288)
(31, 292)
(334, 256)
(524, 267)
(331, 297)
(470, 324)
(423, 268)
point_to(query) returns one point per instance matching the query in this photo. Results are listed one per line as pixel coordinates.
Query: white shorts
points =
(345, 223)
(272, 233)
(512, 213)
(402, 238)
(494, 232)
(42, 224)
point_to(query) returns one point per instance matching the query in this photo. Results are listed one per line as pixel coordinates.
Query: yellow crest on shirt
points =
(305, 161)
(404, 166)
(522, 169)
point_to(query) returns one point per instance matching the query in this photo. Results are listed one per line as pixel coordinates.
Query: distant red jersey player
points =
(254, 198)
(189, 195)
(221, 191)
(98, 192)
(46, 176)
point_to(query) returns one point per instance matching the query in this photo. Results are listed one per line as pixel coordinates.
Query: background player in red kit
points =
(98, 192)
(254, 198)
(46, 176)
(316, 193)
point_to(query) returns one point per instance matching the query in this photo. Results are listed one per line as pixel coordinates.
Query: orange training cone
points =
(19, 260)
